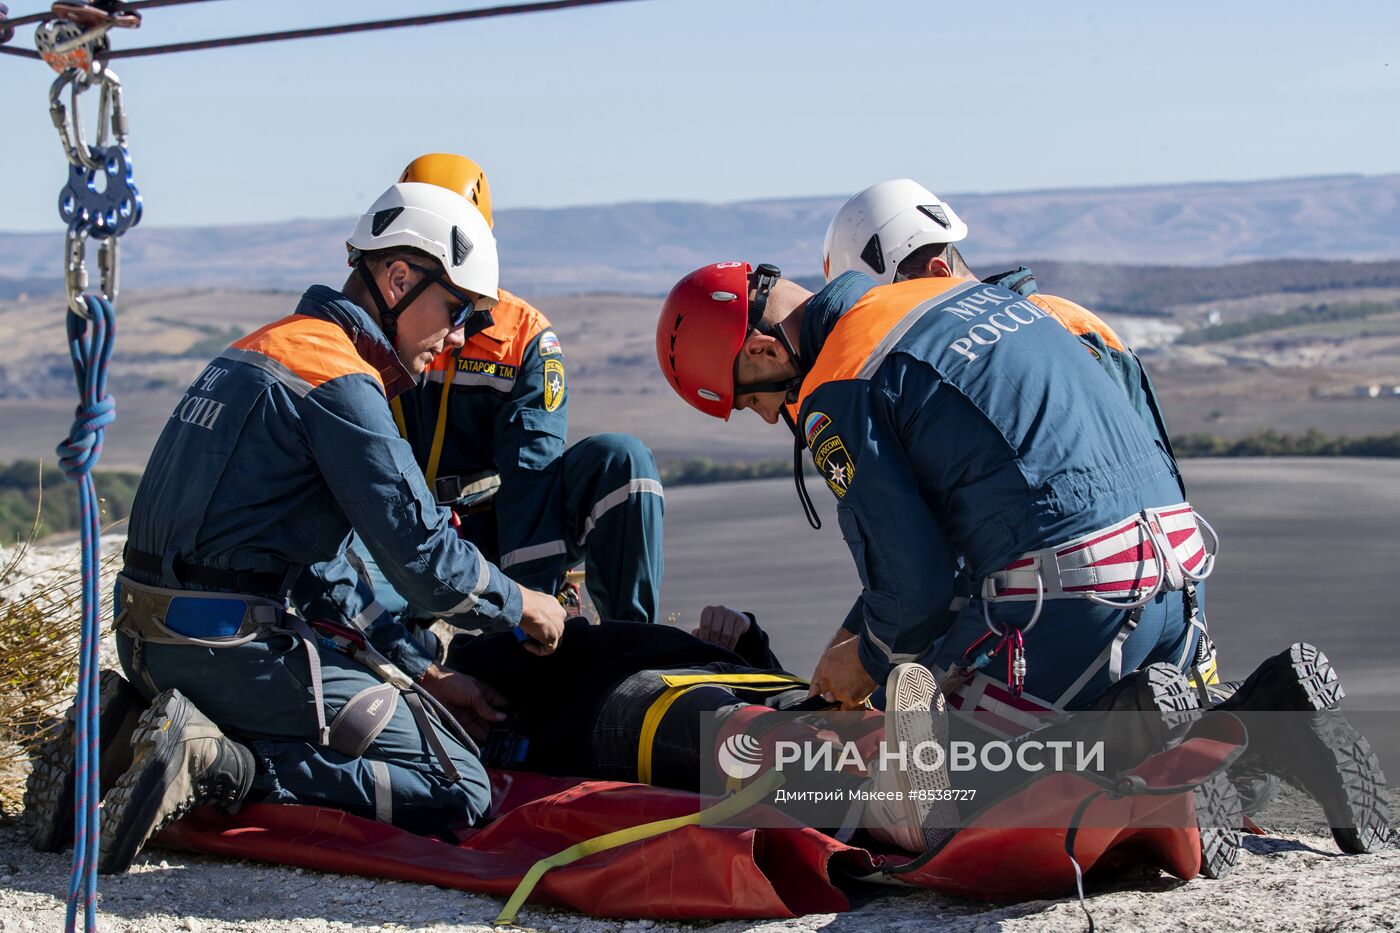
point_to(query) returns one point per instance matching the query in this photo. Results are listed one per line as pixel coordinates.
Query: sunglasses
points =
(466, 301)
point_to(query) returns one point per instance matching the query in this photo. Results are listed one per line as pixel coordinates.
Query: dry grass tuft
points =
(40, 625)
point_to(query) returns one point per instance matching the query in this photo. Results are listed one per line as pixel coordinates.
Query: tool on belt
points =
(156, 615)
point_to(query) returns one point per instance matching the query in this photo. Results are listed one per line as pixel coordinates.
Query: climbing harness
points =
(1124, 566)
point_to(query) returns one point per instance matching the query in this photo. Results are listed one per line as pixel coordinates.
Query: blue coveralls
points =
(1127, 372)
(1117, 359)
(278, 449)
(506, 414)
(955, 421)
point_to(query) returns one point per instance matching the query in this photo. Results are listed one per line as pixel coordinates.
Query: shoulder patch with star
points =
(553, 384)
(834, 463)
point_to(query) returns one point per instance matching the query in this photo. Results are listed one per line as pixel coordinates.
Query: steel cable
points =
(544, 6)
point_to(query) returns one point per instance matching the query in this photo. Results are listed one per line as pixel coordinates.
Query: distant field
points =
(1382, 325)
(1288, 381)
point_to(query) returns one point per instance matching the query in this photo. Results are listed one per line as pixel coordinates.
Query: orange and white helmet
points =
(875, 230)
(455, 173)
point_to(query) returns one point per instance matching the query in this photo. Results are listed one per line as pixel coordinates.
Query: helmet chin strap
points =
(389, 317)
(798, 478)
(767, 276)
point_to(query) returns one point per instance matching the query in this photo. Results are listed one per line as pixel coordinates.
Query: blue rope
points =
(90, 345)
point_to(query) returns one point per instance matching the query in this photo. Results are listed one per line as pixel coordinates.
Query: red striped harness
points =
(1125, 566)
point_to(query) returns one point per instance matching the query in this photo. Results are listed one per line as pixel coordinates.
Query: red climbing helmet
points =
(704, 322)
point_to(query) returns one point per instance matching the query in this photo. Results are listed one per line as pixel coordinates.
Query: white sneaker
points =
(912, 819)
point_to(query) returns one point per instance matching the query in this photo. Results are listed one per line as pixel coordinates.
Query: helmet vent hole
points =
(461, 246)
(723, 296)
(872, 254)
(936, 212)
(382, 219)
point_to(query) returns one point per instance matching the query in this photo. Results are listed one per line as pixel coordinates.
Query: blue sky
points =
(722, 100)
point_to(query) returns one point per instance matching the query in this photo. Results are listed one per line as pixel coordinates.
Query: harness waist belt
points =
(227, 620)
(1154, 551)
(219, 578)
(164, 616)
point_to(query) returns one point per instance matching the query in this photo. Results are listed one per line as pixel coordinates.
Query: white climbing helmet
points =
(875, 230)
(441, 223)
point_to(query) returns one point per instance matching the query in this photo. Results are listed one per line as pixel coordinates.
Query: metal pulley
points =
(76, 37)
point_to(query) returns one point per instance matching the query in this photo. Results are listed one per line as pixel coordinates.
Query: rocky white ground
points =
(1283, 884)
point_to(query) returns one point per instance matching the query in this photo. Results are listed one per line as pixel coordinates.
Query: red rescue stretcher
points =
(1015, 852)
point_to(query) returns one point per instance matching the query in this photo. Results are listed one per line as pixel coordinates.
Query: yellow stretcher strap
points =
(677, 685)
(396, 406)
(731, 680)
(725, 809)
(440, 429)
(650, 723)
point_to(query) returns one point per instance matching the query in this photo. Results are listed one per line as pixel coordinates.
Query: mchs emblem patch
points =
(834, 463)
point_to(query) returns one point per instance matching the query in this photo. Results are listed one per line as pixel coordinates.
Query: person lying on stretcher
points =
(652, 704)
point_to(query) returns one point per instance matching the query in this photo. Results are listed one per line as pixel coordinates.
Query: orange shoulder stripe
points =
(517, 322)
(313, 349)
(1078, 320)
(862, 328)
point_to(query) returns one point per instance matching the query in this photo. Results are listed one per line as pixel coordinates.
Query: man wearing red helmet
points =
(955, 429)
(975, 451)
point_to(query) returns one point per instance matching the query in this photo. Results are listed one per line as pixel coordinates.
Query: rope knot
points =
(79, 452)
(90, 346)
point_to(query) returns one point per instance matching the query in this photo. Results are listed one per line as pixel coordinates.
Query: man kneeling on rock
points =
(282, 446)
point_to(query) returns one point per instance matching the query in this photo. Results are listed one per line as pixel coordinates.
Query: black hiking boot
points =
(1320, 754)
(52, 783)
(181, 761)
(1257, 787)
(1161, 688)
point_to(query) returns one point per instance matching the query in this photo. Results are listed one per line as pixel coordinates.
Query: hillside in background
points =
(1237, 349)
(642, 248)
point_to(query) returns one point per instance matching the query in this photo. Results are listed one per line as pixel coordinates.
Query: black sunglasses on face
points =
(466, 300)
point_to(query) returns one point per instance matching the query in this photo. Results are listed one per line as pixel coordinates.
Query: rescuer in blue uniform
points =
(957, 424)
(280, 447)
(974, 447)
(897, 230)
(488, 425)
